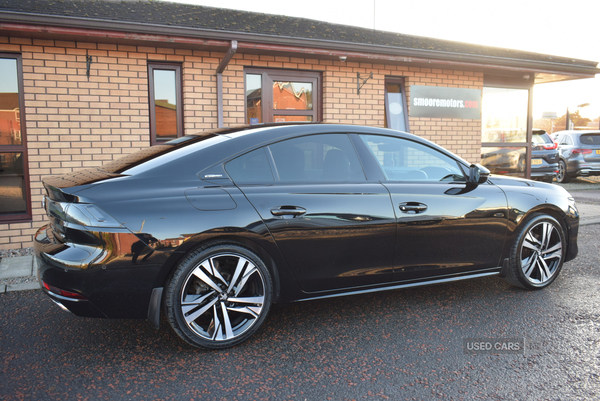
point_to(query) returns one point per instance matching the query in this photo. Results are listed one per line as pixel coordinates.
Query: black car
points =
(579, 154)
(544, 156)
(212, 229)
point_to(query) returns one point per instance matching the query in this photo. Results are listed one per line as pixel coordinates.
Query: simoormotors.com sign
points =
(442, 102)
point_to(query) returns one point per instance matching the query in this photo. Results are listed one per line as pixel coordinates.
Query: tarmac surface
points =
(20, 273)
(396, 345)
(408, 344)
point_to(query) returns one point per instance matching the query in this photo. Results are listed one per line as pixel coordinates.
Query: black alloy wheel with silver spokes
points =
(218, 296)
(537, 255)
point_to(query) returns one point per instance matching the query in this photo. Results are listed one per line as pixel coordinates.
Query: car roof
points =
(230, 143)
(571, 132)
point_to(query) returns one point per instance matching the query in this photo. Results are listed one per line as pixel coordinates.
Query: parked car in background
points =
(579, 154)
(211, 229)
(511, 160)
(544, 156)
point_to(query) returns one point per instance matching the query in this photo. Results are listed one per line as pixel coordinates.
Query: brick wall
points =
(74, 122)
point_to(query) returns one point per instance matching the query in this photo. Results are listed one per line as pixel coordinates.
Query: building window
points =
(504, 130)
(14, 174)
(396, 115)
(282, 95)
(166, 102)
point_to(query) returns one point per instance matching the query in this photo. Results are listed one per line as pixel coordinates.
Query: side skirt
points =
(407, 285)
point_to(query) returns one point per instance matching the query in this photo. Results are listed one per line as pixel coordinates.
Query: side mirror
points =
(478, 174)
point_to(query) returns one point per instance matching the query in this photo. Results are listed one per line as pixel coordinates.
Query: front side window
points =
(405, 160)
(14, 177)
(282, 95)
(166, 103)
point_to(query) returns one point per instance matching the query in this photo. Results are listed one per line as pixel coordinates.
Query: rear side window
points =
(566, 140)
(313, 158)
(252, 167)
(317, 158)
(590, 139)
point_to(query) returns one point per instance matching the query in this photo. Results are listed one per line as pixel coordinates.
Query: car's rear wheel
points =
(218, 296)
(562, 175)
(537, 254)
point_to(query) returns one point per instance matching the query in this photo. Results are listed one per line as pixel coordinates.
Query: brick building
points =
(82, 83)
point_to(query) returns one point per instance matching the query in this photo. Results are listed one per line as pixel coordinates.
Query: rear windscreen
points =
(590, 139)
(541, 138)
(126, 162)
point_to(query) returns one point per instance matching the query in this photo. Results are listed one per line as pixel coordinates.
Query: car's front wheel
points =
(538, 253)
(218, 296)
(562, 175)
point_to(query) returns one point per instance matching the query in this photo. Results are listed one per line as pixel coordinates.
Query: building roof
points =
(158, 17)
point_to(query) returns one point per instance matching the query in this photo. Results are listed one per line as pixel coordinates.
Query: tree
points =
(547, 125)
(574, 117)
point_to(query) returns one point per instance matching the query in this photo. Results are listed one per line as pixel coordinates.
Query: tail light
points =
(64, 293)
(581, 151)
(551, 147)
(83, 214)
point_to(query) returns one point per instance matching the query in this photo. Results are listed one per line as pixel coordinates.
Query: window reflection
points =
(281, 119)
(394, 107)
(281, 95)
(504, 115)
(10, 118)
(165, 104)
(292, 95)
(253, 99)
(504, 160)
(12, 183)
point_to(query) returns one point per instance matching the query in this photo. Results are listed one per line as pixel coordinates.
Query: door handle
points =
(414, 207)
(288, 211)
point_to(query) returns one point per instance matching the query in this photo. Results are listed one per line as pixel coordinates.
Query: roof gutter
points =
(184, 35)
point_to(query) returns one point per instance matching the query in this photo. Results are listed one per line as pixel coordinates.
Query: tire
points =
(521, 166)
(537, 255)
(562, 176)
(218, 296)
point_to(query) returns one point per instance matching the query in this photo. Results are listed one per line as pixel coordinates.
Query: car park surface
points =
(214, 229)
(393, 345)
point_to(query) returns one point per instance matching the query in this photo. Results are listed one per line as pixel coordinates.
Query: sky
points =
(559, 28)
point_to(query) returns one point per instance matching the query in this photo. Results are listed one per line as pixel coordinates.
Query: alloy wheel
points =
(223, 297)
(562, 173)
(541, 253)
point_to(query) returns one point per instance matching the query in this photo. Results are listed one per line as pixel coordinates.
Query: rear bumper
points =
(108, 281)
(546, 176)
(583, 168)
(585, 171)
(546, 172)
